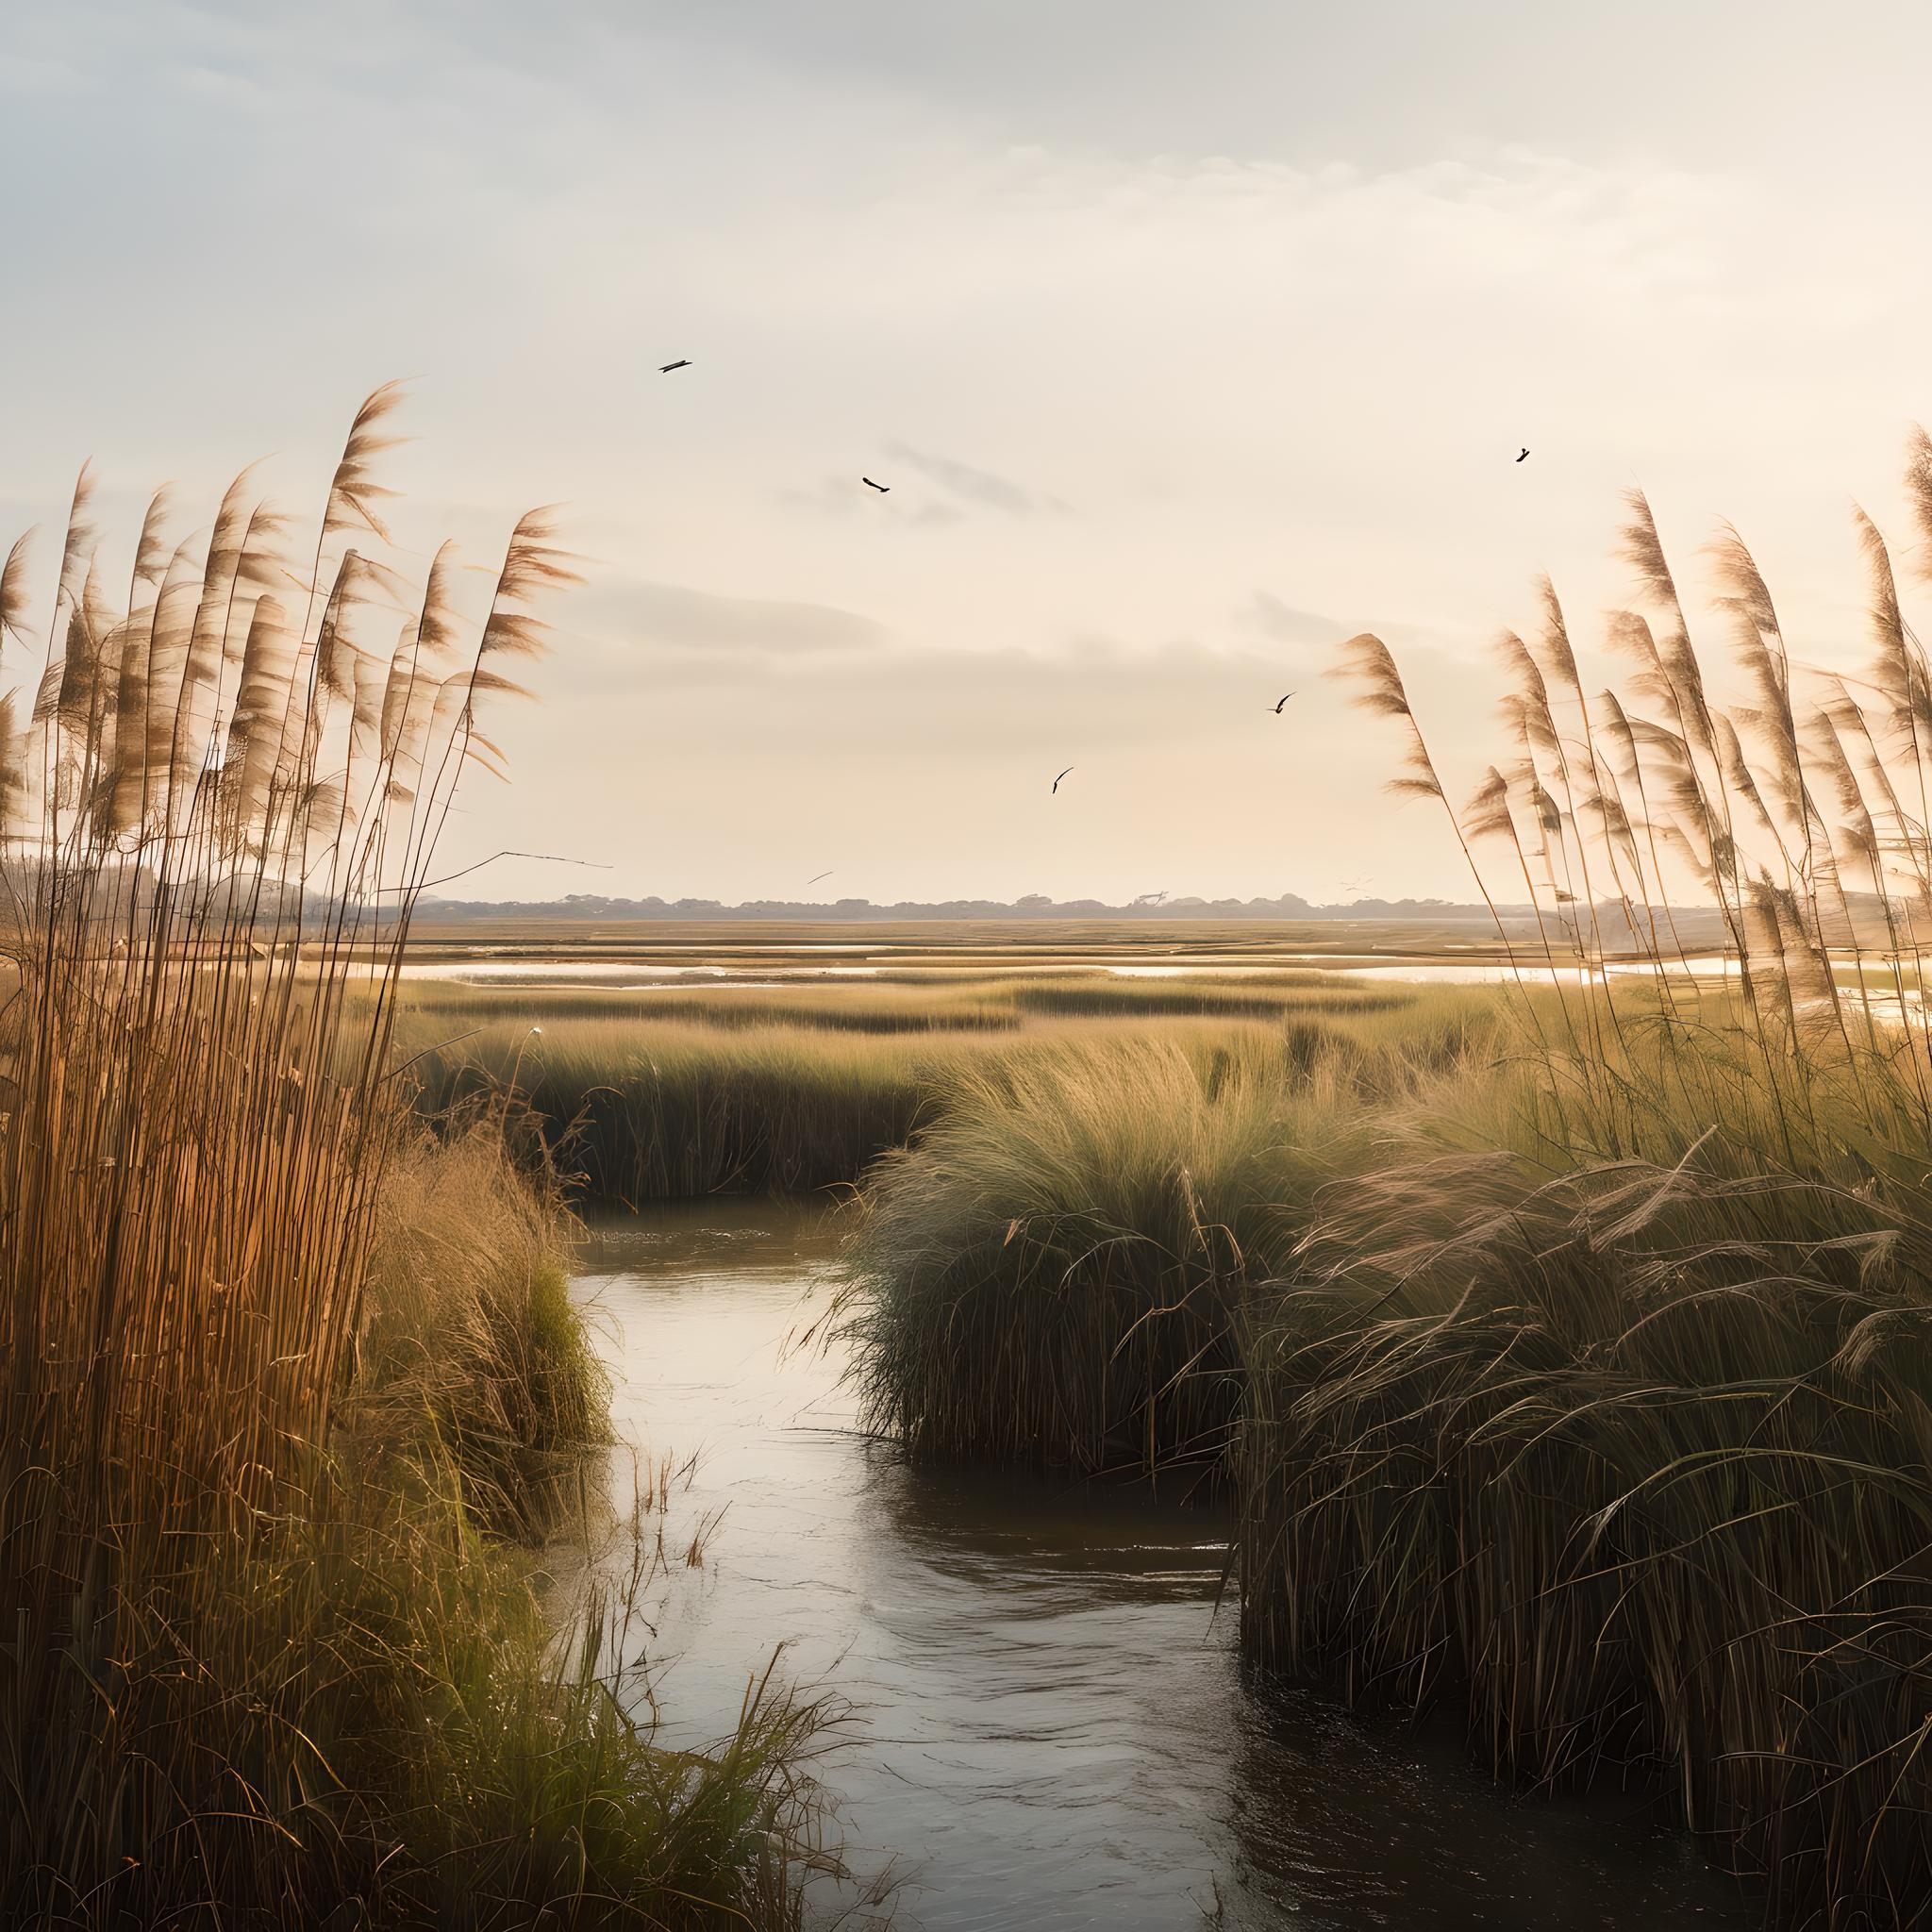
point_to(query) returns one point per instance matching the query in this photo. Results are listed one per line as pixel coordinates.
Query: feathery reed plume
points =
(354, 492)
(153, 551)
(1858, 835)
(1487, 815)
(77, 548)
(1626, 767)
(13, 592)
(532, 564)
(1368, 663)
(1919, 492)
(1903, 682)
(1759, 646)
(1555, 646)
(194, 1124)
(1737, 770)
(13, 764)
(335, 654)
(256, 748)
(1676, 660)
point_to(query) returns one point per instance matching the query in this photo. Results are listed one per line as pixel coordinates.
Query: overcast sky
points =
(1190, 339)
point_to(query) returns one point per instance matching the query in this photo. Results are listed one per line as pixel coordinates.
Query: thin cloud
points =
(833, 496)
(936, 516)
(848, 497)
(1266, 613)
(638, 611)
(984, 487)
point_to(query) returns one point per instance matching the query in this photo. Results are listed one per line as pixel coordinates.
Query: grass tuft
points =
(1054, 1273)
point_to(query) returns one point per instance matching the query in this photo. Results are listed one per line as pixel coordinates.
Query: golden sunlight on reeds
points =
(278, 1368)
(1578, 1381)
(256, 754)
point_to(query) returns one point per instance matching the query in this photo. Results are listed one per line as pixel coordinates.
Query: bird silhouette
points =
(881, 487)
(1278, 708)
(1524, 453)
(1056, 781)
(665, 368)
(818, 875)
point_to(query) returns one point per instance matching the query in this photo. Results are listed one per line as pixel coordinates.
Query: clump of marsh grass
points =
(1617, 1432)
(650, 1110)
(247, 1679)
(1255, 999)
(1633, 1463)
(470, 1332)
(1053, 1273)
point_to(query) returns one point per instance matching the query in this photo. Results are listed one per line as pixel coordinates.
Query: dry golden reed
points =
(284, 1372)
(215, 790)
(1617, 1432)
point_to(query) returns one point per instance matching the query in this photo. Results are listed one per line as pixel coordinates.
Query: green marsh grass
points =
(648, 1110)
(1050, 1274)
(909, 1002)
(1057, 1271)
(645, 1102)
(834, 1006)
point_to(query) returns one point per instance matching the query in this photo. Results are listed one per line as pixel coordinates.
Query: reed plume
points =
(194, 1124)
(1794, 816)
(1572, 1426)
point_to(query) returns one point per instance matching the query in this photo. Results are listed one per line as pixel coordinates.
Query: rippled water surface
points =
(1055, 1730)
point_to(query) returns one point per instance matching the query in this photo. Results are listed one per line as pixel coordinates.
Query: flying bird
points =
(818, 875)
(1524, 453)
(665, 368)
(881, 487)
(1278, 708)
(1056, 781)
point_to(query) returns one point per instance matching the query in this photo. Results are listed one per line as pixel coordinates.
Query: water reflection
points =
(768, 971)
(1057, 1730)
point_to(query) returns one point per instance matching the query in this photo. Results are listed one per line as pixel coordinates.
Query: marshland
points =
(1104, 1102)
(968, 1424)
(1545, 1352)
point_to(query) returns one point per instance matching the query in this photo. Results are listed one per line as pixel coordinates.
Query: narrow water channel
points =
(1055, 1731)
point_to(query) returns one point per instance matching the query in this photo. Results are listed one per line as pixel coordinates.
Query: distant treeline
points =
(1034, 906)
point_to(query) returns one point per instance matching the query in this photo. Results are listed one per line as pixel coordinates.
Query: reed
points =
(1610, 1426)
(253, 1674)
(472, 1334)
(1568, 1366)
(1631, 1464)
